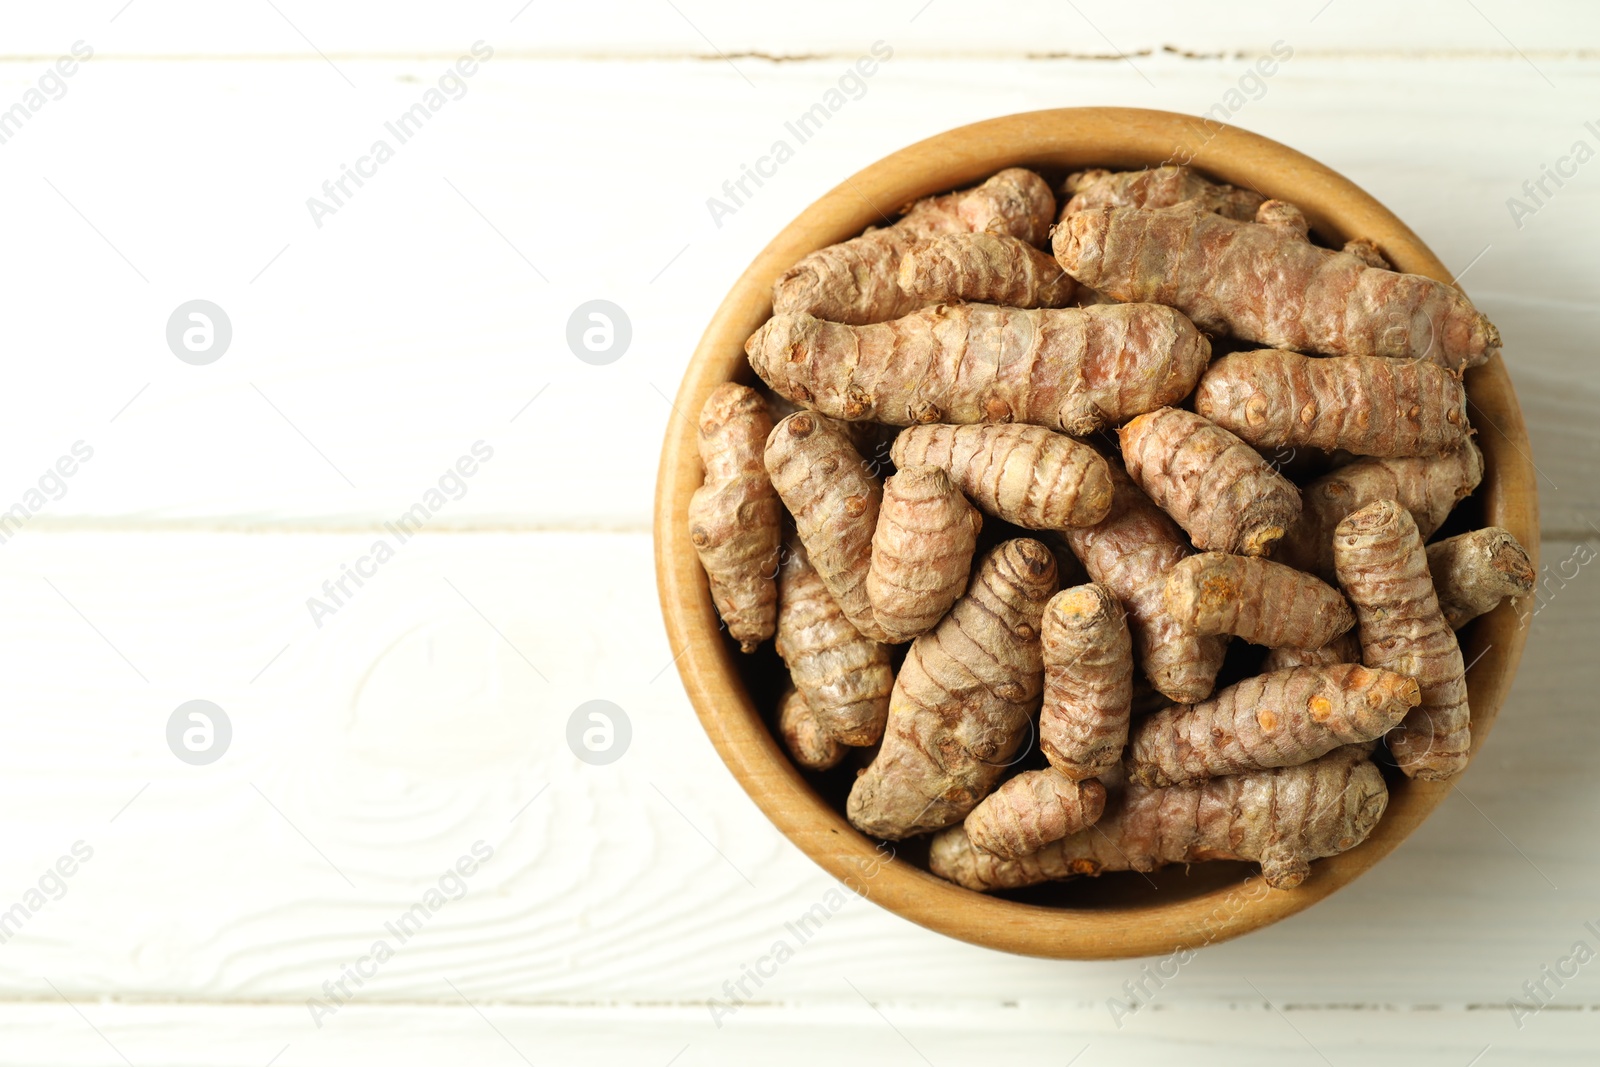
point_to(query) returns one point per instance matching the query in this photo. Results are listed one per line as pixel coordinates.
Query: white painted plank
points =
(379, 748)
(430, 711)
(715, 28)
(370, 354)
(853, 1031)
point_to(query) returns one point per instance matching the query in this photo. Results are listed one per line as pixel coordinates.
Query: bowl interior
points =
(1116, 915)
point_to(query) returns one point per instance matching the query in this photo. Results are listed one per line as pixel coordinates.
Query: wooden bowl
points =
(1117, 915)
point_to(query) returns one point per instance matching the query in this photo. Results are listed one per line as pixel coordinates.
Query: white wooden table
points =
(427, 714)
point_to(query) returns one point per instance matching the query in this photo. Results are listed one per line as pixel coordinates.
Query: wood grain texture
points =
(406, 729)
(1058, 140)
(1260, 1031)
(408, 327)
(713, 29)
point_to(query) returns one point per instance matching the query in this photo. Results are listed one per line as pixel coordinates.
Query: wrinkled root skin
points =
(984, 268)
(1270, 720)
(1073, 370)
(1032, 810)
(1263, 602)
(921, 551)
(808, 741)
(1430, 487)
(1346, 648)
(1383, 569)
(1276, 400)
(1215, 486)
(845, 678)
(1026, 475)
(735, 521)
(1158, 187)
(1473, 572)
(964, 702)
(1130, 553)
(834, 497)
(1088, 682)
(858, 281)
(1282, 819)
(1267, 284)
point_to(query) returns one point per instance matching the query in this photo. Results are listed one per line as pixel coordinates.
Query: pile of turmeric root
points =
(1011, 615)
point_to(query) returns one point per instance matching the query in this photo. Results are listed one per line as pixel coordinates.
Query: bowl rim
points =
(1060, 138)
